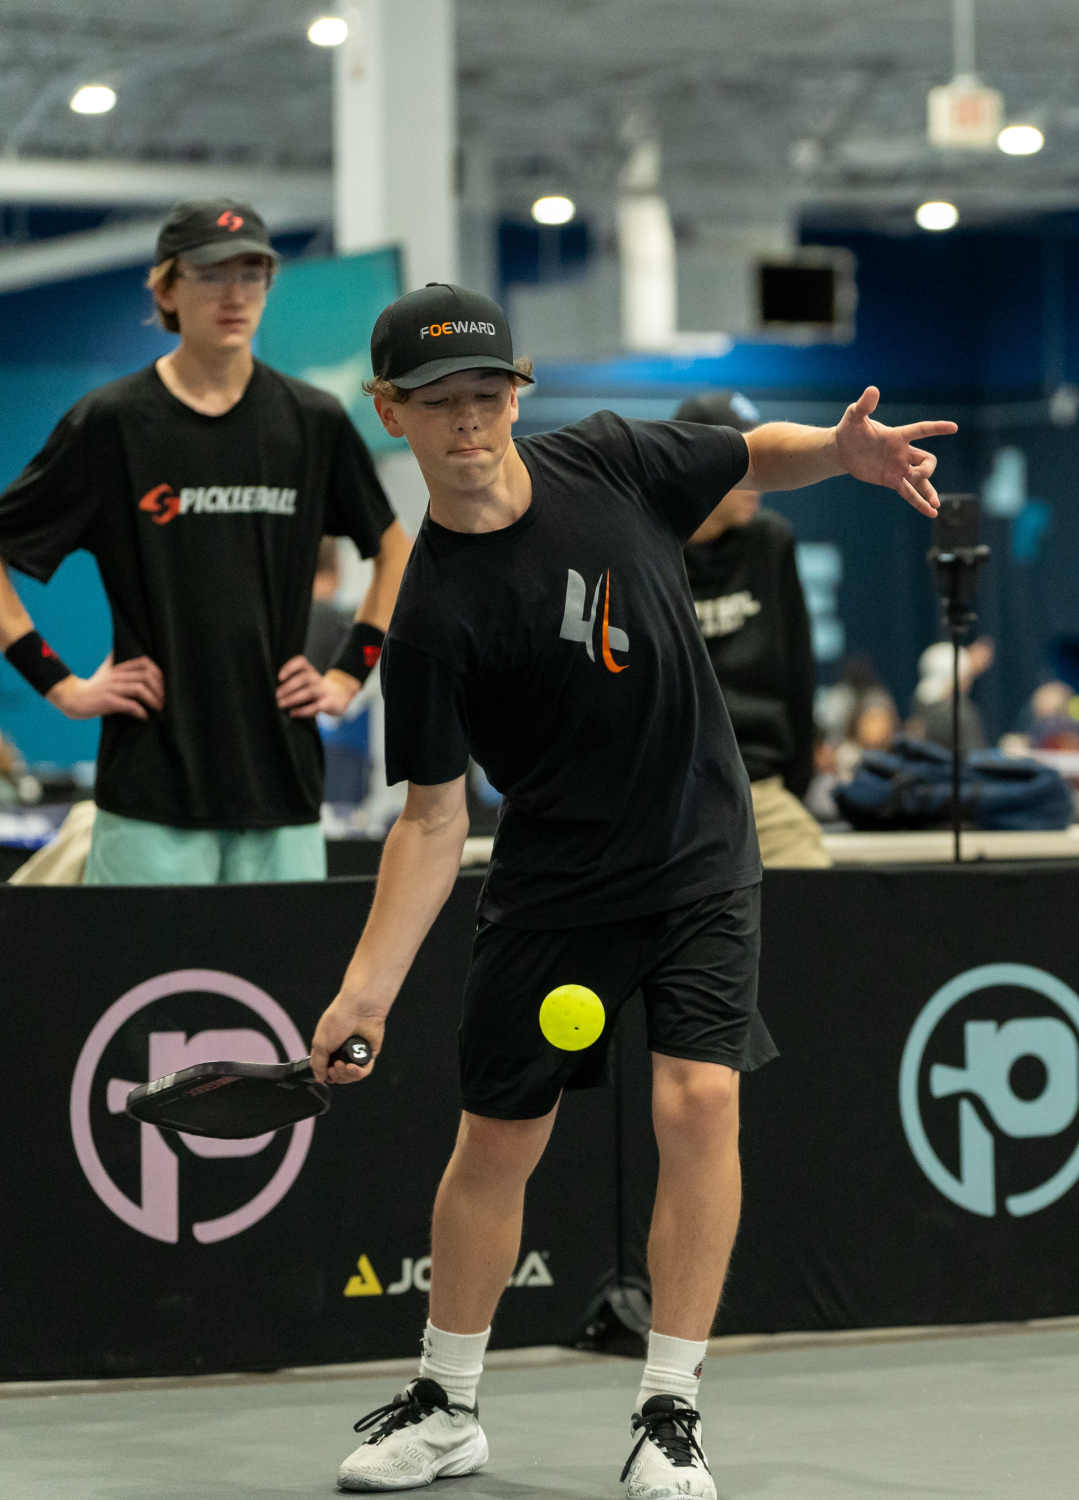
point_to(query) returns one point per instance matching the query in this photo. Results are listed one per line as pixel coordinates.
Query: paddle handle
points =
(354, 1050)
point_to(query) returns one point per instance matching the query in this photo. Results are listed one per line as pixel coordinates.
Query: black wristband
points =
(358, 654)
(37, 662)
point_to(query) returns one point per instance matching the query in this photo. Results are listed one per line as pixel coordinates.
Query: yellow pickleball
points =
(571, 1017)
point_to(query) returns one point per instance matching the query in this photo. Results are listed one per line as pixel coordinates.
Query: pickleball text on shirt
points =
(164, 503)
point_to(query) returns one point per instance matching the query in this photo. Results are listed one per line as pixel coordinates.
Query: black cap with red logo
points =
(207, 230)
(437, 331)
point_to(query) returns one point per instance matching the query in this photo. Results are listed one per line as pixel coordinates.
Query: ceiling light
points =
(553, 209)
(327, 31)
(93, 99)
(937, 215)
(1020, 140)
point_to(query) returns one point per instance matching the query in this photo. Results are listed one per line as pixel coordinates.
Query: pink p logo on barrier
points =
(157, 1212)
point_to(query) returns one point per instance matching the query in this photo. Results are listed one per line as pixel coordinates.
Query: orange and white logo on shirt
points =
(579, 626)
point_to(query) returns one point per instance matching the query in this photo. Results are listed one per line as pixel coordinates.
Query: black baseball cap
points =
(720, 409)
(437, 331)
(208, 230)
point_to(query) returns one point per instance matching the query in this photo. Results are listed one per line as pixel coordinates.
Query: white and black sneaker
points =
(420, 1436)
(668, 1460)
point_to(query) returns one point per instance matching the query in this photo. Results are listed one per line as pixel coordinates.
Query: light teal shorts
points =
(129, 851)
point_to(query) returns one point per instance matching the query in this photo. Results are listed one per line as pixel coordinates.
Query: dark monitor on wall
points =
(807, 296)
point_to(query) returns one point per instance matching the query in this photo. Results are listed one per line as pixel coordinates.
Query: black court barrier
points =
(910, 1159)
(135, 1251)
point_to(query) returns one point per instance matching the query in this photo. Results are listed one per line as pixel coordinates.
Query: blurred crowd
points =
(859, 712)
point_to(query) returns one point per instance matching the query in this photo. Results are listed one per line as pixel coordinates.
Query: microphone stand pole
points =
(955, 573)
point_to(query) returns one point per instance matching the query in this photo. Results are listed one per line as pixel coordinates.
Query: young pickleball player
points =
(545, 627)
(202, 485)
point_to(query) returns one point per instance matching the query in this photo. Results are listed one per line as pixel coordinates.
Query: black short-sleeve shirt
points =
(753, 617)
(205, 530)
(563, 654)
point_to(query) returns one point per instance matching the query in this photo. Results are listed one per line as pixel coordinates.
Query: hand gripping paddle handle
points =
(237, 1100)
(354, 1050)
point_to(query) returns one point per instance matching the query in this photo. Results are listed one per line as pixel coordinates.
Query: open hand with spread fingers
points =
(886, 455)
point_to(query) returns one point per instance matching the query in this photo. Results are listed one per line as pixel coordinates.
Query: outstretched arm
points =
(419, 865)
(788, 456)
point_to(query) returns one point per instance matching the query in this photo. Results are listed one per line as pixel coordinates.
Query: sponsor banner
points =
(912, 1157)
(414, 1275)
(137, 1251)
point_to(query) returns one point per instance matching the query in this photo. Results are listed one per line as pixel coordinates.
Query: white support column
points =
(395, 143)
(646, 248)
(477, 214)
(395, 134)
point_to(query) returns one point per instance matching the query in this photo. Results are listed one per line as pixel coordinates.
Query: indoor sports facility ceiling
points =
(762, 108)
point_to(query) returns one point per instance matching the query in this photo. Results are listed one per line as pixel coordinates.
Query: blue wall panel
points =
(56, 343)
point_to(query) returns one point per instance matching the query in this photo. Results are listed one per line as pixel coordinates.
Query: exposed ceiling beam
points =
(132, 242)
(69, 255)
(88, 181)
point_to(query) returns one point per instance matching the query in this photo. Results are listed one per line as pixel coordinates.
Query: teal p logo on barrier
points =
(992, 1050)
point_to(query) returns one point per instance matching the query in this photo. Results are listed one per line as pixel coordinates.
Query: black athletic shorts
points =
(696, 967)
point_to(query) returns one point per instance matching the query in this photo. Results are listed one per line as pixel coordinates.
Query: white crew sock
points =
(672, 1368)
(455, 1360)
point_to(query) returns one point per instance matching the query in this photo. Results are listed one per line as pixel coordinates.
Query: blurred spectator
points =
(931, 710)
(752, 612)
(201, 486)
(837, 707)
(875, 725)
(856, 713)
(1050, 721)
(1054, 716)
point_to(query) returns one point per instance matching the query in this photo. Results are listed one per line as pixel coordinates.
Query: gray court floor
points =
(993, 1414)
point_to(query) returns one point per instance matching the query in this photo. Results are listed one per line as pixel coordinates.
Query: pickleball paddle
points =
(234, 1100)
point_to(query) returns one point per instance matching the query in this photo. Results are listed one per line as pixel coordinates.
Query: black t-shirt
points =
(206, 532)
(562, 652)
(755, 624)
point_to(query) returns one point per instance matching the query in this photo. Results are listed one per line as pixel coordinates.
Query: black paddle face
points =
(234, 1101)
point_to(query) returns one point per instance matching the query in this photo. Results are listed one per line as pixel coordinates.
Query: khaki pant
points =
(62, 860)
(789, 836)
